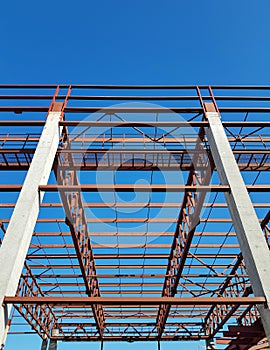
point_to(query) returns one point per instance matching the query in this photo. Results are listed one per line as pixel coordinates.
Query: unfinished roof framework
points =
(132, 221)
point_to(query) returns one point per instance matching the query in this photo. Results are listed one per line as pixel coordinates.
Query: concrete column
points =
(19, 232)
(53, 345)
(44, 344)
(249, 233)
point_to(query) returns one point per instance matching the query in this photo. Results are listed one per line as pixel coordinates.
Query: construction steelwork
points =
(137, 214)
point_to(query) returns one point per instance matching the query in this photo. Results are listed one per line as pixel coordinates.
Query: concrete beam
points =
(251, 239)
(20, 229)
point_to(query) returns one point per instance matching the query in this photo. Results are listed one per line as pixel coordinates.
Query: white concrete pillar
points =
(251, 239)
(20, 229)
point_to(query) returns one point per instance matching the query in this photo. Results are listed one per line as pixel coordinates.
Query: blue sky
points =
(133, 42)
(124, 41)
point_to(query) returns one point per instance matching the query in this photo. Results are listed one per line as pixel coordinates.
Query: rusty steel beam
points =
(129, 256)
(130, 151)
(249, 166)
(91, 159)
(135, 188)
(111, 110)
(133, 292)
(261, 139)
(41, 319)
(150, 234)
(130, 245)
(128, 338)
(88, 301)
(125, 284)
(77, 223)
(134, 87)
(133, 139)
(143, 315)
(140, 188)
(234, 285)
(112, 220)
(139, 234)
(130, 275)
(137, 266)
(134, 97)
(76, 220)
(123, 324)
(187, 221)
(111, 124)
(134, 205)
(215, 322)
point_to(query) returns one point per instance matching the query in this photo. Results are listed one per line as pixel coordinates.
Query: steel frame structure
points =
(183, 257)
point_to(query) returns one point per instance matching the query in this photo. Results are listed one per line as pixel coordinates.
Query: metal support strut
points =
(251, 239)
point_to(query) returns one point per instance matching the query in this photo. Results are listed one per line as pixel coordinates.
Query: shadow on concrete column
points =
(44, 344)
(53, 344)
(210, 344)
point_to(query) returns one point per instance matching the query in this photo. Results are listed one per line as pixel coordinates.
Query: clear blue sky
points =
(133, 42)
(139, 41)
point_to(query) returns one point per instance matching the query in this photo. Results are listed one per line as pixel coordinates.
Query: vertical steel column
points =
(251, 239)
(19, 232)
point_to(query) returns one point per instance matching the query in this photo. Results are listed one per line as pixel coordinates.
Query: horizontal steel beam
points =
(40, 109)
(132, 187)
(134, 205)
(111, 124)
(130, 275)
(139, 234)
(130, 256)
(134, 97)
(133, 87)
(129, 338)
(85, 151)
(144, 220)
(132, 139)
(86, 301)
(148, 188)
(129, 245)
